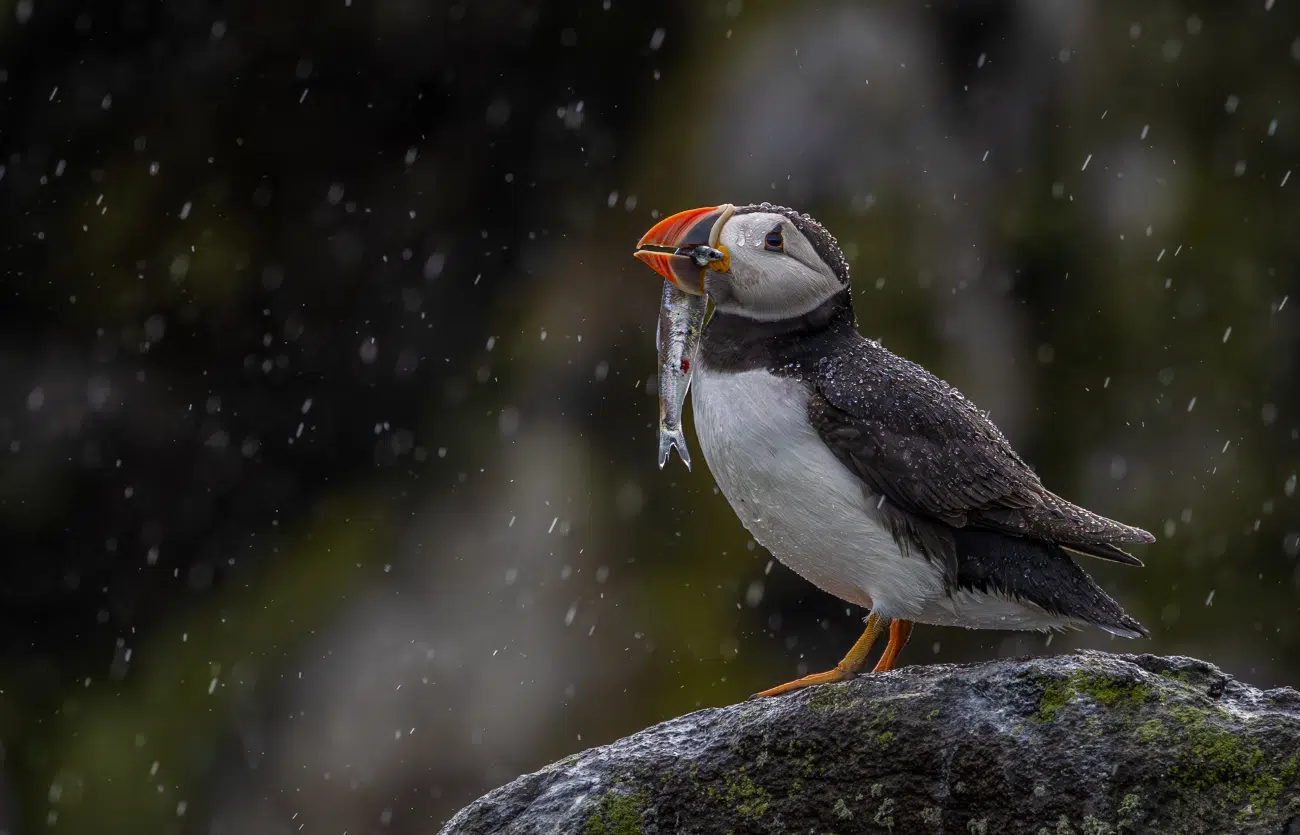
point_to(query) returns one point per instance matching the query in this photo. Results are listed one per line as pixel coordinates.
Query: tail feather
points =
(1090, 534)
(1039, 573)
(1137, 630)
(1104, 551)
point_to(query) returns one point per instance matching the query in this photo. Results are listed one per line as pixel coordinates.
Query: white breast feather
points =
(796, 499)
(804, 506)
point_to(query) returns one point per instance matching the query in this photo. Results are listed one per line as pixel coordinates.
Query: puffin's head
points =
(775, 263)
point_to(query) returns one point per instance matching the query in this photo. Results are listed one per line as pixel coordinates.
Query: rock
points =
(1082, 744)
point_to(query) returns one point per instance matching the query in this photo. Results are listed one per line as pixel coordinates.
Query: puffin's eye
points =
(773, 242)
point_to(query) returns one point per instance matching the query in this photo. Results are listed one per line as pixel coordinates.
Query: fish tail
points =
(670, 439)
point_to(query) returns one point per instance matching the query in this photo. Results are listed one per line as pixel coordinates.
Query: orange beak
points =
(684, 230)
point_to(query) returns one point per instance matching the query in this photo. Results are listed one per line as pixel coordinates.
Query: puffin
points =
(860, 470)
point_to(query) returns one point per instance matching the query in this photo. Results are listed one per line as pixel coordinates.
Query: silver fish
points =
(681, 321)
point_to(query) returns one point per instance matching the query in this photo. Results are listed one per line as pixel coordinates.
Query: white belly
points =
(800, 503)
(796, 498)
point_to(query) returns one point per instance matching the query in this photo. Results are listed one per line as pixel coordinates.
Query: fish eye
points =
(773, 242)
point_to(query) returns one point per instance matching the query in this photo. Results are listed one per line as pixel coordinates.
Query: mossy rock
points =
(1089, 743)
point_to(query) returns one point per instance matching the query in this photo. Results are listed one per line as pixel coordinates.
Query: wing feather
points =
(916, 441)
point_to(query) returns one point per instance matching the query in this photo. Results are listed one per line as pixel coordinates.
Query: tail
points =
(1042, 574)
(669, 439)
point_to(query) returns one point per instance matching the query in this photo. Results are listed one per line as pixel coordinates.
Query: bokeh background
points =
(327, 400)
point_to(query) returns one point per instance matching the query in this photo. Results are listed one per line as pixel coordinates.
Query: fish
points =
(677, 340)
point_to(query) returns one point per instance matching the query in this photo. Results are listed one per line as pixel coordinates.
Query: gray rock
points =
(1082, 744)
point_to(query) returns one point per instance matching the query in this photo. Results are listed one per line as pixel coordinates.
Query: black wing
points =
(919, 444)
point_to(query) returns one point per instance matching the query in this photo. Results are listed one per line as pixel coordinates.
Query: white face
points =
(774, 274)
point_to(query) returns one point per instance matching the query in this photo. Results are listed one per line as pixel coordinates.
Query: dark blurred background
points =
(327, 450)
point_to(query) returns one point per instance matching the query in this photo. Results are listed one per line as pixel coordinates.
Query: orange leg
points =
(899, 632)
(843, 671)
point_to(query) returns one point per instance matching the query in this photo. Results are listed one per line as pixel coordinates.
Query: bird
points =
(866, 474)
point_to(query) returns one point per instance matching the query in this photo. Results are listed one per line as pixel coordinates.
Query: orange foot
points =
(828, 677)
(845, 670)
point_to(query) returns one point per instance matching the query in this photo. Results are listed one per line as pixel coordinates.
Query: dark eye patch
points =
(773, 241)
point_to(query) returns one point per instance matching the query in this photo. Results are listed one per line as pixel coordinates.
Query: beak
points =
(680, 232)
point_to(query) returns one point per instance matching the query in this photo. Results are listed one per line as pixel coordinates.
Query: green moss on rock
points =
(833, 698)
(1101, 690)
(1215, 759)
(1055, 696)
(749, 799)
(617, 814)
(1151, 731)
(1185, 678)
(1111, 692)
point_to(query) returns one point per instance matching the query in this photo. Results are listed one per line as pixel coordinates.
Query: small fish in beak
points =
(681, 322)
